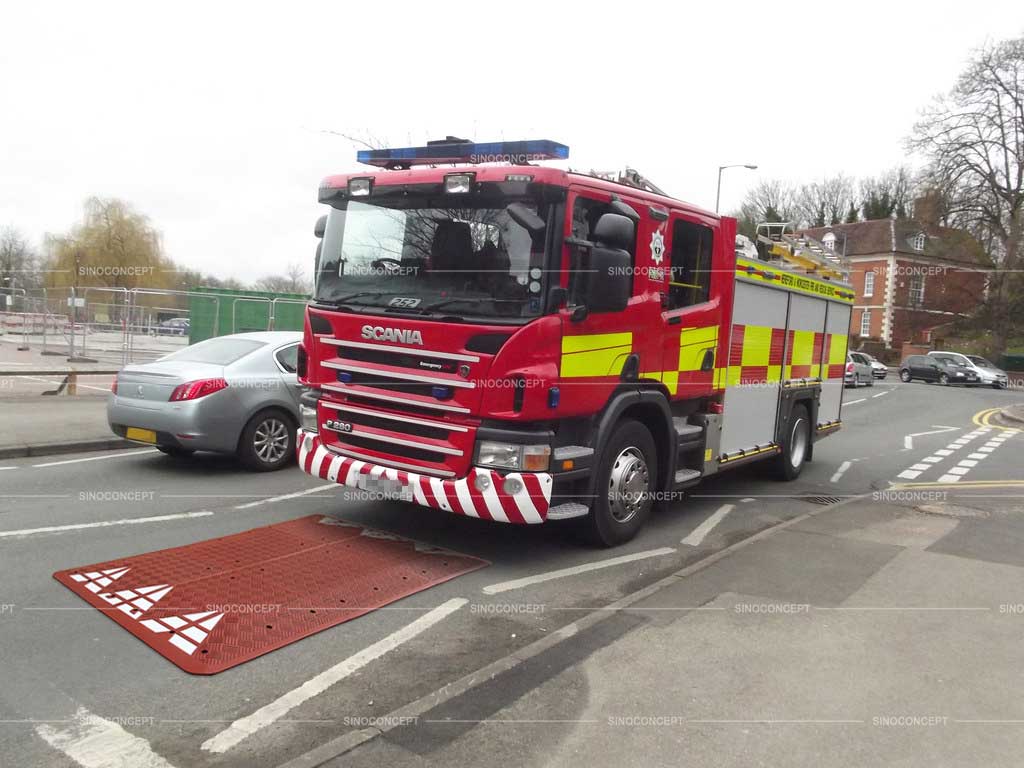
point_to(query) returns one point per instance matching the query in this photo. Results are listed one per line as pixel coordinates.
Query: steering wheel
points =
(389, 264)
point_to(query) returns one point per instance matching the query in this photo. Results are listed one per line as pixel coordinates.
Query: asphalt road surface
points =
(76, 689)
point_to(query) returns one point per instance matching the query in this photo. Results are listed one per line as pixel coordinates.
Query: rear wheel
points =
(268, 441)
(626, 478)
(905, 377)
(175, 451)
(796, 444)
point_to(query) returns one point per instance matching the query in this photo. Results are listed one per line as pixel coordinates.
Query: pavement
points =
(767, 644)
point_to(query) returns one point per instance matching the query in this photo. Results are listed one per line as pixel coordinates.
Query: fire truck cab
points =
(521, 343)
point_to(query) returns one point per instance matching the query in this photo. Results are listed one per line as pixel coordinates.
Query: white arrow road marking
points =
(698, 534)
(908, 441)
(104, 524)
(839, 472)
(93, 742)
(275, 710)
(505, 586)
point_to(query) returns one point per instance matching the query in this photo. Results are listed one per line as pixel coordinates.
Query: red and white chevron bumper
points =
(529, 504)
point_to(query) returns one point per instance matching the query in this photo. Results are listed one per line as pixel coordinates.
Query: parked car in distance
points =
(234, 394)
(176, 326)
(930, 368)
(878, 369)
(858, 371)
(987, 372)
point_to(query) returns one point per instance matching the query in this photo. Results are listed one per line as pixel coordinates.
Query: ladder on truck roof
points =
(630, 177)
(775, 243)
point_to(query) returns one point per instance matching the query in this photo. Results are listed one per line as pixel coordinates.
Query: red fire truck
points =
(520, 343)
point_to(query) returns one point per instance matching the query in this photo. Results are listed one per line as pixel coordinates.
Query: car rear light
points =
(193, 390)
(849, 367)
(113, 385)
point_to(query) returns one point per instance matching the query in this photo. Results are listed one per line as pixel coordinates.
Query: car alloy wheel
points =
(270, 440)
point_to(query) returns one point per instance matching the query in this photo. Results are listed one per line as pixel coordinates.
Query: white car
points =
(987, 371)
(878, 370)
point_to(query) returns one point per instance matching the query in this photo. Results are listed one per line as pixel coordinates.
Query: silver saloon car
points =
(234, 394)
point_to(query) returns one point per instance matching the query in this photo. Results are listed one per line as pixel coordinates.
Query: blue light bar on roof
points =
(514, 152)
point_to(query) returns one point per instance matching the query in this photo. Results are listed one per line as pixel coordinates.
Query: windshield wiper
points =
(375, 294)
(470, 300)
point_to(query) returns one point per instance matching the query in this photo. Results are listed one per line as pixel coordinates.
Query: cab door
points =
(690, 311)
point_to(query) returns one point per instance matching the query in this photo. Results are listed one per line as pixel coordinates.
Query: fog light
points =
(441, 393)
(512, 486)
(307, 416)
(482, 482)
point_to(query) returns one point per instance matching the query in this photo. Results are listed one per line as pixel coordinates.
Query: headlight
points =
(533, 458)
(959, 373)
(307, 416)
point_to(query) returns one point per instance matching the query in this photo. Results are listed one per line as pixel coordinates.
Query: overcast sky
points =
(213, 118)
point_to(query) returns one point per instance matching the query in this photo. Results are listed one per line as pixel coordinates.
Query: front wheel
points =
(944, 380)
(626, 478)
(795, 444)
(268, 441)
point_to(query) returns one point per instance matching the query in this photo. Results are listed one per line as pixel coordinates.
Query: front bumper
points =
(529, 505)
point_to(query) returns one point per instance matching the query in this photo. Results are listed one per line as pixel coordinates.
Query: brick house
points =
(909, 278)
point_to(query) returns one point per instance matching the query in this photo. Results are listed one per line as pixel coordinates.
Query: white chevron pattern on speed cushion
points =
(136, 602)
(94, 581)
(196, 627)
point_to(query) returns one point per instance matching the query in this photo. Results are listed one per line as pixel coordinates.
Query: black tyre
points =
(943, 379)
(268, 441)
(626, 478)
(796, 444)
(175, 451)
(905, 376)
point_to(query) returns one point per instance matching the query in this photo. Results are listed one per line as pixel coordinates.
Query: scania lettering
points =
(392, 334)
(521, 343)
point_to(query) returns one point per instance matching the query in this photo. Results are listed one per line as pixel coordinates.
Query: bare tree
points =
(888, 194)
(294, 280)
(826, 202)
(770, 200)
(974, 139)
(19, 263)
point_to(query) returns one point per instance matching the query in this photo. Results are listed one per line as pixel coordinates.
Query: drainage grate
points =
(822, 500)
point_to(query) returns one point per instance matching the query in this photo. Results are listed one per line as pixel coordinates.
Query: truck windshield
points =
(418, 254)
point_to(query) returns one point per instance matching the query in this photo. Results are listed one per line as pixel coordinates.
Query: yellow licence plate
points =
(141, 435)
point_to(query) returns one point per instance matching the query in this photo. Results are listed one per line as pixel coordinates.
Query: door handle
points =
(675, 320)
(708, 363)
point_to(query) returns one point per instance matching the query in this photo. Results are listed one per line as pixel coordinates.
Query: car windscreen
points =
(948, 359)
(980, 361)
(222, 351)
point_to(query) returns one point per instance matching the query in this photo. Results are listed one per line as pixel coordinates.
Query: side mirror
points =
(320, 227)
(525, 218)
(613, 230)
(609, 279)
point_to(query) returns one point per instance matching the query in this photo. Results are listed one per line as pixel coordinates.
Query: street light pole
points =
(718, 192)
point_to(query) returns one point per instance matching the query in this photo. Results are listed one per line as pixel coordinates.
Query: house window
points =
(918, 242)
(869, 284)
(865, 323)
(917, 289)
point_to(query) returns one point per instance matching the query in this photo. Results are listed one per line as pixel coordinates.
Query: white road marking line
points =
(839, 472)
(854, 402)
(505, 586)
(747, 499)
(977, 456)
(908, 474)
(93, 742)
(79, 385)
(959, 470)
(275, 499)
(968, 463)
(275, 710)
(986, 449)
(698, 534)
(880, 394)
(3, 468)
(118, 455)
(921, 467)
(943, 452)
(908, 440)
(932, 460)
(104, 524)
(949, 479)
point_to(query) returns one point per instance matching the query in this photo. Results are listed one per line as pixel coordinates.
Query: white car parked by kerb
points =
(987, 371)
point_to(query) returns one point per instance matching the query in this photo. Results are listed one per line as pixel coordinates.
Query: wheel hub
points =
(629, 485)
(270, 441)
